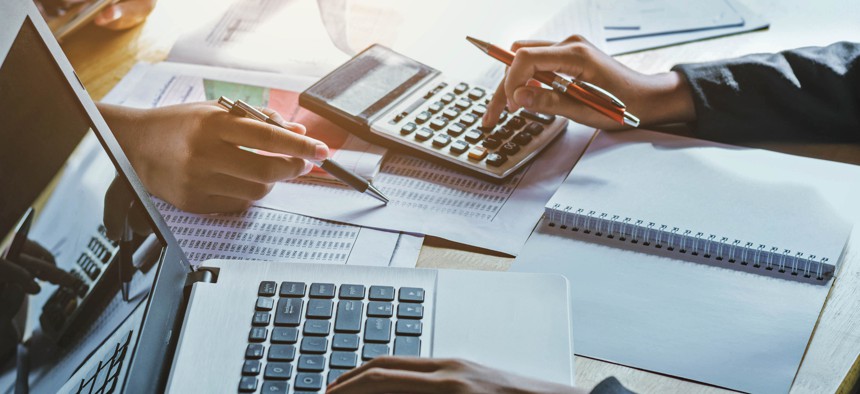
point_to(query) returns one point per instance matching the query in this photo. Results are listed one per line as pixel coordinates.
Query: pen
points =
(589, 94)
(352, 179)
(126, 258)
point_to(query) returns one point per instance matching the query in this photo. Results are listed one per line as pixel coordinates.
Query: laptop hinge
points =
(202, 274)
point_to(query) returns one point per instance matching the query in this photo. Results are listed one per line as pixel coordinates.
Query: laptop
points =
(228, 325)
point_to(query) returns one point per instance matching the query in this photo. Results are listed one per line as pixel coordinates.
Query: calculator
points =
(394, 101)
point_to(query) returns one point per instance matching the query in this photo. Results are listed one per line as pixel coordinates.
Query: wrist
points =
(667, 99)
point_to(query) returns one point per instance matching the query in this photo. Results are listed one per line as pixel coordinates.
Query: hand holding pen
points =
(650, 96)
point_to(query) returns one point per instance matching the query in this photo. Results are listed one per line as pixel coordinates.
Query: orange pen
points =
(596, 98)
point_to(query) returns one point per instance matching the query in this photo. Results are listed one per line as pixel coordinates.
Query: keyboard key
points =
(461, 87)
(473, 136)
(438, 123)
(441, 140)
(348, 316)
(478, 153)
(463, 103)
(408, 327)
(479, 110)
(381, 293)
(267, 289)
(435, 107)
(270, 387)
(408, 128)
(282, 353)
(317, 327)
(451, 113)
(292, 289)
(285, 335)
(311, 363)
(492, 142)
(448, 98)
(248, 384)
(410, 311)
(265, 303)
(333, 374)
(411, 294)
(318, 308)
(509, 148)
(476, 93)
(373, 350)
(258, 334)
(289, 312)
(458, 147)
(542, 118)
(314, 345)
(516, 122)
(377, 330)
(534, 129)
(308, 381)
(251, 367)
(352, 292)
(496, 159)
(254, 351)
(456, 129)
(343, 360)
(380, 309)
(322, 290)
(345, 342)
(261, 319)
(407, 346)
(422, 117)
(278, 371)
(424, 134)
(523, 138)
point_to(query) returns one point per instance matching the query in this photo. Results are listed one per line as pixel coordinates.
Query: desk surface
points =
(831, 363)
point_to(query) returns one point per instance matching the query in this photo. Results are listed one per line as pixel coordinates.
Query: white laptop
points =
(243, 326)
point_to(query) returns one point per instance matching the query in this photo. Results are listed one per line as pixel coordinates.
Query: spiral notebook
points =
(695, 259)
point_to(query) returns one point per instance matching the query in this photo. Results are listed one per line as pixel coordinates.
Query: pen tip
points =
(482, 45)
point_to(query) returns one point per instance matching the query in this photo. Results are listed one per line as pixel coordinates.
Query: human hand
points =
(124, 14)
(655, 99)
(427, 375)
(190, 155)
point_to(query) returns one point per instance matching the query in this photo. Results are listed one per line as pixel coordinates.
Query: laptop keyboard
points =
(102, 378)
(307, 336)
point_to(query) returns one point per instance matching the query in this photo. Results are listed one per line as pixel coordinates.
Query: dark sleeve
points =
(808, 94)
(610, 385)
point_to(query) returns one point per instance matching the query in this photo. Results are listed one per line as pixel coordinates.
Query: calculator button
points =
(503, 116)
(469, 119)
(503, 133)
(408, 327)
(308, 381)
(311, 363)
(441, 140)
(463, 103)
(322, 290)
(478, 153)
(381, 293)
(436, 107)
(380, 309)
(451, 113)
(486, 129)
(414, 311)
(473, 136)
(407, 346)
(345, 342)
(265, 303)
(267, 289)
(261, 319)
(293, 289)
(422, 117)
(408, 128)
(424, 134)
(314, 345)
(438, 123)
(258, 334)
(492, 142)
(351, 292)
(496, 159)
(254, 351)
(285, 335)
(510, 148)
(479, 110)
(411, 294)
(448, 98)
(373, 350)
(456, 129)
(278, 371)
(459, 147)
(461, 87)
(248, 384)
(516, 122)
(542, 118)
(283, 352)
(476, 93)
(522, 138)
(534, 129)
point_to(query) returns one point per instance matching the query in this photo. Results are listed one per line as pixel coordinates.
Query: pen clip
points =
(600, 92)
(231, 106)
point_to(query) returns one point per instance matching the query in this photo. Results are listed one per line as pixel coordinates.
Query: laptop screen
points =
(53, 159)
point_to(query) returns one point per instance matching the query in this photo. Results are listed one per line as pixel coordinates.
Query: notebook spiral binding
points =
(694, 243)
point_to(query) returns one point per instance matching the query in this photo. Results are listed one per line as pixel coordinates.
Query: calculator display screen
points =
(371, 81)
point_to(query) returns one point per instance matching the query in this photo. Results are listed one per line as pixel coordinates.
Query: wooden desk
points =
(102, 58)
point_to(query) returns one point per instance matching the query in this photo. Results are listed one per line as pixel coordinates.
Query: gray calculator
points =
(394, 101)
